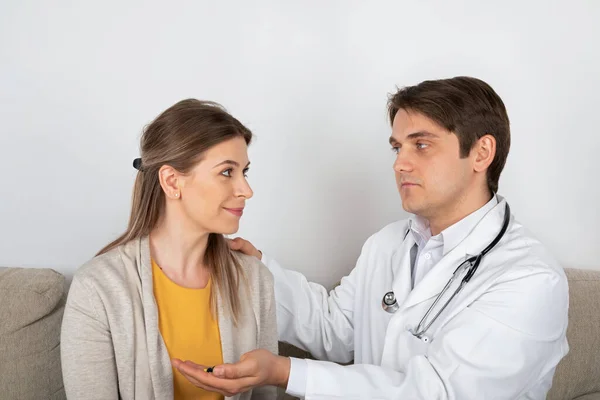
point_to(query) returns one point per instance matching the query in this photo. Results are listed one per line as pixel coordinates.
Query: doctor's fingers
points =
(245, 247)
(246, 367)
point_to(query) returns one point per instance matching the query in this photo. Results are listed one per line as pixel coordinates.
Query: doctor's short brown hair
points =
(465, 106)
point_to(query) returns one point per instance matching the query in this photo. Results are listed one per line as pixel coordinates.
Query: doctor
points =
(457, 302)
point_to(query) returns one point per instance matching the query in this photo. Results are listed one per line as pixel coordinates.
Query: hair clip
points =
(137, 164)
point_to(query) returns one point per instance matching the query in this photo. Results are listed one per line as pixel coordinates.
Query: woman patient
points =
(170, 287)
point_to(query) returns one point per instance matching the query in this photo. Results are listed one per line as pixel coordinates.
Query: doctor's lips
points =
(238, 212)
(406, 183)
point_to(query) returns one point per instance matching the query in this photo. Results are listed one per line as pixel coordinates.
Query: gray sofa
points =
(32, 301)
(31, 308)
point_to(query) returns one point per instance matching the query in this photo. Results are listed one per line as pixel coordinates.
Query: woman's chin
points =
(228, 229)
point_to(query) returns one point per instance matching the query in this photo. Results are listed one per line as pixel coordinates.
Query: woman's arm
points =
(87, 355)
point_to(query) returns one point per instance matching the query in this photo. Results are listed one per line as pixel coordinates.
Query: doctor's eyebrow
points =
(415, 135)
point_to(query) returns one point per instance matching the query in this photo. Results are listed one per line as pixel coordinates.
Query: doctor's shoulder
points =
(532, 281)
(389, 237)
(531, 251)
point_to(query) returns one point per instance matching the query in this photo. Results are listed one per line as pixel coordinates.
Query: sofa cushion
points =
(31, 308)
(593, 396)
(578, 374)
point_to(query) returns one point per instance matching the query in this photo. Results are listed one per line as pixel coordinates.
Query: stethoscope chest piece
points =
(389, 303)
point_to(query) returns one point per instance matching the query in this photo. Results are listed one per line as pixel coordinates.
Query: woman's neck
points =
(179, 251)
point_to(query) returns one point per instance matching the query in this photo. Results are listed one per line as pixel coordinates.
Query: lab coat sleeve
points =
(311, 318)
(508, 338)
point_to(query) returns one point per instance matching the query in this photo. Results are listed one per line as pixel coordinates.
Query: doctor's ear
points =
(483, 152)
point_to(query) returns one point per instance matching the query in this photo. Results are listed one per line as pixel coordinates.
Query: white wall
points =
(78, 81)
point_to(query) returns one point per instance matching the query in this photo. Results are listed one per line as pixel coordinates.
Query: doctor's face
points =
(432, 178)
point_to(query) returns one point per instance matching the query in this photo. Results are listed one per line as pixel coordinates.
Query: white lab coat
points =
(500, 338)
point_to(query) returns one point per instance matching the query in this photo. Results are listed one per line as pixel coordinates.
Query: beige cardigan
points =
(111, 347)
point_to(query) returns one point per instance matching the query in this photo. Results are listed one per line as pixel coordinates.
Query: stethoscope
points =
(471, 264)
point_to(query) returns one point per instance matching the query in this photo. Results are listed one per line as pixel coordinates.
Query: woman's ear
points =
(484, 152)
(169, 179)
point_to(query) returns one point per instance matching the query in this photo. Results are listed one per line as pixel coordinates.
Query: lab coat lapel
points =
(433, 283)
(485, 231)
(401, 283)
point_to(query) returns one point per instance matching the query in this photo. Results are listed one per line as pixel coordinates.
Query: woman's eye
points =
(226, 173)
(246, 172)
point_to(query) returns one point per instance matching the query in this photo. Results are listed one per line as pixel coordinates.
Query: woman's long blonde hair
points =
(178, 137)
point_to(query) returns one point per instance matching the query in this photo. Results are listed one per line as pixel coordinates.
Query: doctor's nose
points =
(402, 163)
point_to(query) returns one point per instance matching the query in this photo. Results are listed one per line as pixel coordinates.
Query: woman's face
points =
(212, 196)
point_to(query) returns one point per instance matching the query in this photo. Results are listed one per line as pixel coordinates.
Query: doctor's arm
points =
(308, 316)
(510, 336)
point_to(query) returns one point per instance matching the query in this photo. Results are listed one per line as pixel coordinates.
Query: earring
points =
(176, 194)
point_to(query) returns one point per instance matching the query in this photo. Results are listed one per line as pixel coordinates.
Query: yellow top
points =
(189, 330)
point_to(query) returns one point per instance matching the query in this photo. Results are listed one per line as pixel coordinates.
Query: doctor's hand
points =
(256, 368)
(245, 247)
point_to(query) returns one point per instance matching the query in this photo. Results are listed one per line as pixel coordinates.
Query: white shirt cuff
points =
(298, 376)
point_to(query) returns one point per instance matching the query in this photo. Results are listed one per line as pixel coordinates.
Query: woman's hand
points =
(256, 368)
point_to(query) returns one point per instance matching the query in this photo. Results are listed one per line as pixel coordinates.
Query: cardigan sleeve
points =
(267, 336)
(87, 354)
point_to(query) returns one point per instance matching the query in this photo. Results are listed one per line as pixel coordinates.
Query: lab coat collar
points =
(481, 235)
(453, 235)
